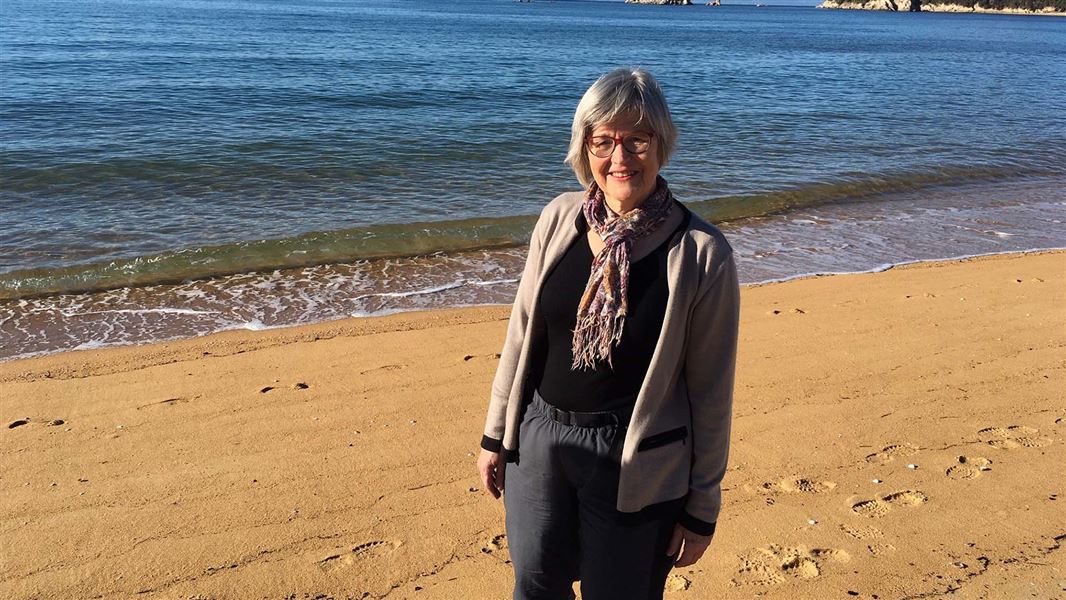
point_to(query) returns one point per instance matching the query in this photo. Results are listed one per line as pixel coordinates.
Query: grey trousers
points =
(562, 524)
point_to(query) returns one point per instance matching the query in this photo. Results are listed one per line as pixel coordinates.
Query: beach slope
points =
(897, 435)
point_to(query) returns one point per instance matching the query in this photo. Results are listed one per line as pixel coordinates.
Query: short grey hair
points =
(628, 92)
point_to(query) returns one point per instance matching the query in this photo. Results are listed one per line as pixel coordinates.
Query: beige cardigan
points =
(685, 403)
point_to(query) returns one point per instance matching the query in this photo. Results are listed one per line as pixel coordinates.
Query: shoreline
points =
(352, 323)
(337, 459)
(905, 263)
(866, 233)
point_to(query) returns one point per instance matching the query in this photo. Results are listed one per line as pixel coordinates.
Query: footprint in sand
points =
(776, 564)
(497, 543)
(879, 548)
(1015, 436)
(26, 421)
(862, 532)
(677, 583)
(879, 507)
(299, 385)
(167, 402)
(798, 486)
(383, 368)
(890, 453)
(362, 552)
(794, 311)
(969, 467)
(470, 357)
(871, 508)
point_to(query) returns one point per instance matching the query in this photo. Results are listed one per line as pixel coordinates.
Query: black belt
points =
(588, 419)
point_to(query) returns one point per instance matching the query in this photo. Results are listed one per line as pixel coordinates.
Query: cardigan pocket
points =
(661, 439)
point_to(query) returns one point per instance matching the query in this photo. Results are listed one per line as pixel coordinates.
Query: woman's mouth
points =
(622, 175)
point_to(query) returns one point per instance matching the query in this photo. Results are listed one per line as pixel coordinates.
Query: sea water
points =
(172, 168)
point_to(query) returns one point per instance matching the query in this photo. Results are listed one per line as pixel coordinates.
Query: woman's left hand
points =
(695, 546)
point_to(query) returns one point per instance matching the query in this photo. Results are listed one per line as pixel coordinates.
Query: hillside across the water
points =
(1024, 7)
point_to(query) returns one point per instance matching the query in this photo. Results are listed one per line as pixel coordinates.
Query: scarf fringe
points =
(598, 335)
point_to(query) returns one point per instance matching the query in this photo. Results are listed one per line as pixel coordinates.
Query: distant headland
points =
(1011, 7)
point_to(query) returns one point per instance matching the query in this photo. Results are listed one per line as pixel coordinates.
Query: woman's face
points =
(626, 178)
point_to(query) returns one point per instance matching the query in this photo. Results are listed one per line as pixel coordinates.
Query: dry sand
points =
(338, 460)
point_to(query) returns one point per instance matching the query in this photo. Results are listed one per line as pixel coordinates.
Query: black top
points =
(601, 388)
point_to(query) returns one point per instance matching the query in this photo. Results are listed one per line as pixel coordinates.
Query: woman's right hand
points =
(492, 469)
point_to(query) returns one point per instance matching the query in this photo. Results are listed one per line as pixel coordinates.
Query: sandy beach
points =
(896, 435)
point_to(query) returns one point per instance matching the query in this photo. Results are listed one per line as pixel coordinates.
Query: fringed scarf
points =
(602, 312)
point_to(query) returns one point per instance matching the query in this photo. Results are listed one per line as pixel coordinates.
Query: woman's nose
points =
(619, 155)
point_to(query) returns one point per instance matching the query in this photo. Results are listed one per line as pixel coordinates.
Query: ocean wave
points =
(443, 237)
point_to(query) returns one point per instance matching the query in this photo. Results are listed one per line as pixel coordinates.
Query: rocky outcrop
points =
(678, 2)
(1047, 10)
(893, 5)
(919, 6)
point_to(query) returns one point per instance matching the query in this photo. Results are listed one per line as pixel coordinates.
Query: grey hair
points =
(628, 92)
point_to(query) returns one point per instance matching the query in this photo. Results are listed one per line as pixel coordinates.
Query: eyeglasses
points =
(603, 145)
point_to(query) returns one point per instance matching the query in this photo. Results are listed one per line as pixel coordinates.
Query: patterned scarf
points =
(602, 312)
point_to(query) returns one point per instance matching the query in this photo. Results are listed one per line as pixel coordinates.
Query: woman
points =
(613, 395)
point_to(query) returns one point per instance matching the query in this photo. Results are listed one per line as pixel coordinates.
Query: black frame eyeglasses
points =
(603, 146)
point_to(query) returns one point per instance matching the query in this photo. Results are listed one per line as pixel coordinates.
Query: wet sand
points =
(897, 435)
